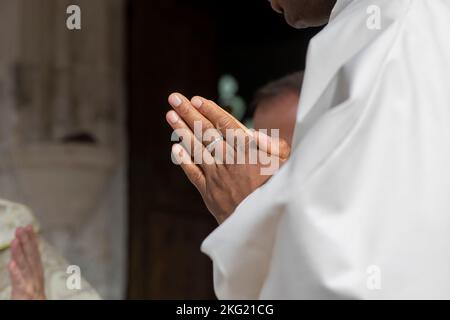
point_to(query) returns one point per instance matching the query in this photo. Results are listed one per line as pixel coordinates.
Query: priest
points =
(361, 208)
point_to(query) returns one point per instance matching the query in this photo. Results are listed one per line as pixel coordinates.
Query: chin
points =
(302, 24)
(299, 24)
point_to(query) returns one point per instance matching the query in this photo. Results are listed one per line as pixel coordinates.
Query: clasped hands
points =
(223, 159)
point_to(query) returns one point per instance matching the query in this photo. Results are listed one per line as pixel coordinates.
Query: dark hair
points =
(290, 83)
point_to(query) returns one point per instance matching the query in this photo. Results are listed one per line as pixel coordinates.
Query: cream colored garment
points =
(15, 215)
(362, 208)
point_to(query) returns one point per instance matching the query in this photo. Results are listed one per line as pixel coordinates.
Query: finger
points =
(34, 240)
(221, 119)
(192, 171)
(246, 149)
(202, 128)
(26, 246)
(194, 147)
(15, 276)
(274, 146)
(28, 241)
(18, 256)
(237, 135)
(35, 243)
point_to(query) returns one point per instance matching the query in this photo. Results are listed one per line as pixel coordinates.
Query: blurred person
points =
(276, 104)
(30, 269)
(361, 208)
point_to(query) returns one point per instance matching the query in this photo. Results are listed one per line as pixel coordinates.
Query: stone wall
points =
(61, 129)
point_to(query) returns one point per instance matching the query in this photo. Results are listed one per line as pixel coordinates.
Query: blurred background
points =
(83, 138)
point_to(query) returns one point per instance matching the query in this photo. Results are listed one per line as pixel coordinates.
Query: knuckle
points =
(223, 122)
(196, 178)
(183, 108)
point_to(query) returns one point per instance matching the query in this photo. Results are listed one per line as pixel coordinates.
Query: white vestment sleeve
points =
(362, 208)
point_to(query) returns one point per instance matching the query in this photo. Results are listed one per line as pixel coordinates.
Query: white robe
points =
(362, 208)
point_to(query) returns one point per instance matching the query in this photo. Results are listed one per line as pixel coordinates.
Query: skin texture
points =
(280, 113)
(25, 268)
(222, 186)
(304, 13)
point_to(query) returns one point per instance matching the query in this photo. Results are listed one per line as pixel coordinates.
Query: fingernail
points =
(173, 117)
(175, 100)
(197, 102)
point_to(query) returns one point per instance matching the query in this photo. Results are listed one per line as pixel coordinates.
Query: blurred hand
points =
(225, 160)
(25, 268)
